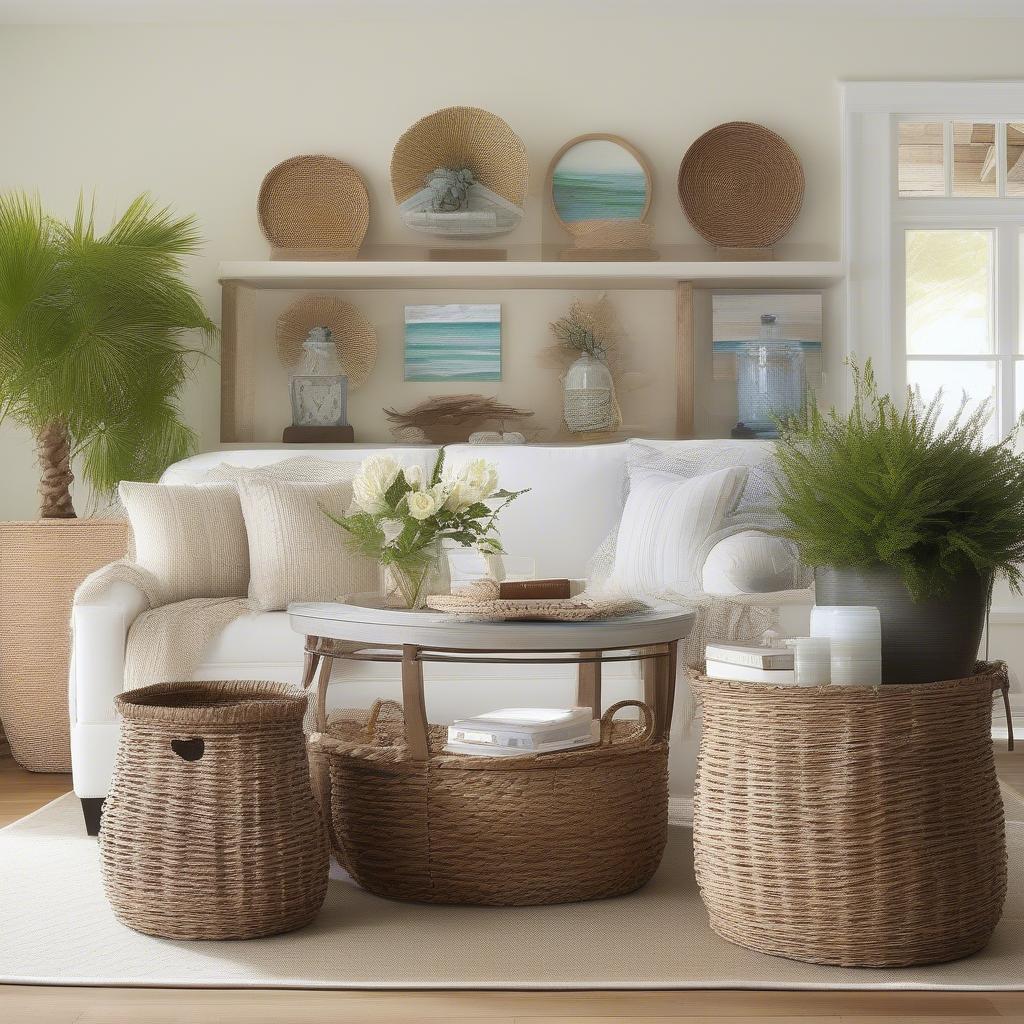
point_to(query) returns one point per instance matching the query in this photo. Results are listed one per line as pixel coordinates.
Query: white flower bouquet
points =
(401, 518)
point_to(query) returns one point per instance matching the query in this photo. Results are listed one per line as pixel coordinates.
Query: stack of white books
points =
(512, 732)
(749, 664)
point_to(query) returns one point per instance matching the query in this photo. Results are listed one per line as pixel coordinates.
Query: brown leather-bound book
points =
(534, 590)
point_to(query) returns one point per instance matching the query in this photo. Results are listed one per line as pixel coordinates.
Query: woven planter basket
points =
(41, 565)
(740, 185)
(314, 207)
(852, 825)
(210, 829)
(546, 828)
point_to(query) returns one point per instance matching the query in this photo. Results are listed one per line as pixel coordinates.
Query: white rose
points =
(414, 477)
(421, 504)
(460, 496)
(481, 476)
(375, 476)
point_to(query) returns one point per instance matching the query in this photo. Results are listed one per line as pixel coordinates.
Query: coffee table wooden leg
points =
(659, 687)
(309, 664)
(415, 707)
(588, 683)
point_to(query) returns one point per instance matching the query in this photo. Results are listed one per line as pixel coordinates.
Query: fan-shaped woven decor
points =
(741, 185)
(314, 203)
(459, 137)
(354, 336)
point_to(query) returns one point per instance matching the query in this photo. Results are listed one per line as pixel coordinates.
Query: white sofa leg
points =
(92, 811)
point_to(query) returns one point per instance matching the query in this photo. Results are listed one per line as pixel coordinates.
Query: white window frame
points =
(875, 218)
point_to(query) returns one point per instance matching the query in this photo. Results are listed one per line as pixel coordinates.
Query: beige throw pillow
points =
(295, 552)
(191, 538)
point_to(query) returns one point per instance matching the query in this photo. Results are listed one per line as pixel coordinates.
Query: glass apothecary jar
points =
(588, 395)
(319, 389)
(771, 380)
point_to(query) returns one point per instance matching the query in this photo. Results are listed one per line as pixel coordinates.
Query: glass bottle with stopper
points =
(319, 392)
(771, 381)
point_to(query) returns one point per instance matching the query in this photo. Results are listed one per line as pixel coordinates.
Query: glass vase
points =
(409, 588)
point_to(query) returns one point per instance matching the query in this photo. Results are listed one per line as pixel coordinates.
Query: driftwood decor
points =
(449, 419)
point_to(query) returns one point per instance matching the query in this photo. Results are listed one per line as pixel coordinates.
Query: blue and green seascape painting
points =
(453, 342)
(599, 180)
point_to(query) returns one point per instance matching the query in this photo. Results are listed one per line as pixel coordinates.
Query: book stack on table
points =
(749, 664)
(512, 732)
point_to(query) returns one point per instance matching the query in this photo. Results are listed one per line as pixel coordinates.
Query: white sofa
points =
(575, 501)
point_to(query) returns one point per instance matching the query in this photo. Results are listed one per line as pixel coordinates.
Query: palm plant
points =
(93, 341)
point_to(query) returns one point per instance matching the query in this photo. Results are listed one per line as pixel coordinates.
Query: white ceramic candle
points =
(811, 660)
(855, 635)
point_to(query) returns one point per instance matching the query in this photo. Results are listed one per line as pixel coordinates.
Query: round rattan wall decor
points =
(354, 335)
(454, 140)
(314, 203)
(742, 185)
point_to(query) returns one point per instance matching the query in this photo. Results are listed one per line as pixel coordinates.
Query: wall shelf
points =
(528, 273)
(681, 269)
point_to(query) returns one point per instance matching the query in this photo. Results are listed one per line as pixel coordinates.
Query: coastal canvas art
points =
(599, 179)
(453, 342)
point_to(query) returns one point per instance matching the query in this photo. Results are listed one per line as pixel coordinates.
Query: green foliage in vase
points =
(889, 485)
(580, 329)
(402, 516)
(94, 345)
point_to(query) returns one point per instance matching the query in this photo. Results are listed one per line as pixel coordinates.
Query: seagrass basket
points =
(853, 825)
(574, 825)
(210, 829)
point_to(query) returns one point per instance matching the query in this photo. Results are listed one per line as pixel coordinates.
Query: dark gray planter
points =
(934, 639)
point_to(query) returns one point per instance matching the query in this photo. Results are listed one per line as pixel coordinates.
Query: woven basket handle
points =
(1005, 689)
(609, 715)
(370, 729)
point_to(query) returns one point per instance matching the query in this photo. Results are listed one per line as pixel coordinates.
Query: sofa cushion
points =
(751, 562)
(665, 525)
(192, 539)
(296, 553)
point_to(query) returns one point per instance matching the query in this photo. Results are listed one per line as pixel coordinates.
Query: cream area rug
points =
(56, 928)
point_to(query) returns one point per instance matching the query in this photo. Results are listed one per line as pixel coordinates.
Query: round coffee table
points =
(362, 629)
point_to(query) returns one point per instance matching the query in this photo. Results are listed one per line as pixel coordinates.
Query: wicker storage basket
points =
(545, 828)
(41, 565)
(210, 830)
(851, 825)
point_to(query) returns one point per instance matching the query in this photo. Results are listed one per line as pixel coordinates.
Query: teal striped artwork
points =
(598, 179)
(453, 342)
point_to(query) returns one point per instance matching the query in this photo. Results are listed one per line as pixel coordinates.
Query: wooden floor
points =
(22, 792)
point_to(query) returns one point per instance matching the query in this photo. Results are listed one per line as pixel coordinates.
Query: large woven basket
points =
(851, 825)
(548, 828)
(41, 565)
(741, 185)
(210, 829)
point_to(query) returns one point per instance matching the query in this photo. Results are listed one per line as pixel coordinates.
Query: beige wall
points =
(196, 115)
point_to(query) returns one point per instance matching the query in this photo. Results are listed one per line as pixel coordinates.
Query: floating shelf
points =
(396, 268)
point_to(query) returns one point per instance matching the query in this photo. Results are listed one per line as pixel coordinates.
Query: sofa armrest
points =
(99, 631)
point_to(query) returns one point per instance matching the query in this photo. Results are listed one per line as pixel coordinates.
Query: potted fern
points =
(896, 511)
(95, 345)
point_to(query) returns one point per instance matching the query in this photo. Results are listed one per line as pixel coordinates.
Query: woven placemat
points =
(458, 137)
(354, 336)
(314, 202)
(479, 602)
(740, 184)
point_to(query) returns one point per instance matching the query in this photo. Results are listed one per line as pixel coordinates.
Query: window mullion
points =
(1005, 281)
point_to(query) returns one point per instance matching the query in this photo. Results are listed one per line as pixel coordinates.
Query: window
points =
(958, 233)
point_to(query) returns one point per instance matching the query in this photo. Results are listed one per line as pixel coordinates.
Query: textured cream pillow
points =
(295, 552)
(191, 538)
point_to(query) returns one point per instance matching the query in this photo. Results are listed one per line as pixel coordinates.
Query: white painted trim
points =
(997, 98)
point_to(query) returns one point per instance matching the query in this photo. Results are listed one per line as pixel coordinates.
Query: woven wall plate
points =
(314, 203)
(354, 335)
(459, 137)
(740, 184)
